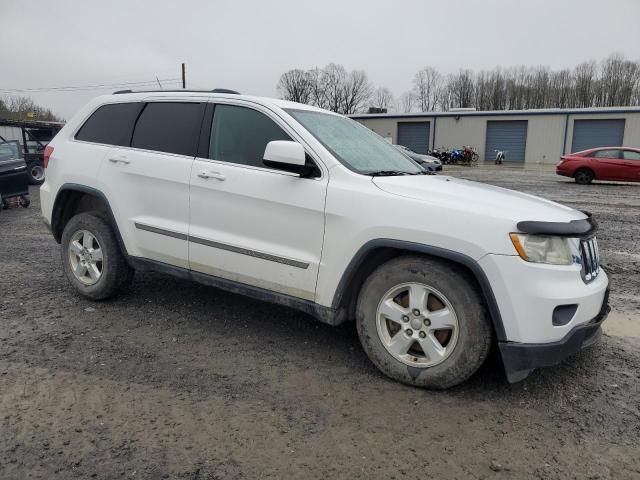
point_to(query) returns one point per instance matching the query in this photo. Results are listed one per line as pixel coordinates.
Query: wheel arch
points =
(73, 199)
(378, 251)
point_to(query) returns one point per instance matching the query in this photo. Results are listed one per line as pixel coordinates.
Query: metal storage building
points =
(529, 136)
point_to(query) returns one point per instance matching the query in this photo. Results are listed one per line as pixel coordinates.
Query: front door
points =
(252, 224)
(632, 164)
(610, 165)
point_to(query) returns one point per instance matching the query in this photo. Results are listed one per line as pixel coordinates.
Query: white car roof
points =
(173, 94)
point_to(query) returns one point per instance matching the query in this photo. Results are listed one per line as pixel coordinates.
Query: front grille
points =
(590, 259)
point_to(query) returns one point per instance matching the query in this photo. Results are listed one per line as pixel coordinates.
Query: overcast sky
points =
(246, 45)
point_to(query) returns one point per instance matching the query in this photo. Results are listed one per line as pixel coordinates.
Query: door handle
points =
(217, 175)
(119, 159)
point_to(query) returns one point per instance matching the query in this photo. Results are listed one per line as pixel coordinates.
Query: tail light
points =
(48, 150)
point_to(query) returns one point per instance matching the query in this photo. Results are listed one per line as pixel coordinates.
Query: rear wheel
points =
(583, 176)
(92, 259)
(422, 322)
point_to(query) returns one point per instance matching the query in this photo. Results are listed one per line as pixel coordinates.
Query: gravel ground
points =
(178, 380)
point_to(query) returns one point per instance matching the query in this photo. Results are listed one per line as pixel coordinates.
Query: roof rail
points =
(224, 90)
(215, 90)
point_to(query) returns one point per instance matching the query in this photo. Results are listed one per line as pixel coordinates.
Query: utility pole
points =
(184, 81)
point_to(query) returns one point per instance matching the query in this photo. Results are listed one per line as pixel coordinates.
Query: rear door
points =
(632, 164)
(147, 182)
(249, 223)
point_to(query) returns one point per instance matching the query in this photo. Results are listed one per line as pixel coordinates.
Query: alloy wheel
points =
(417, 324)
(85, 257)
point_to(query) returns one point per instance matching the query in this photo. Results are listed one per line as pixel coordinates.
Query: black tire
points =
(35, 172)
(474, 330)
(583, 176)
(116, 272)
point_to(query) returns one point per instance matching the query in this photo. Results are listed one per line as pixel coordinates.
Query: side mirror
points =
(288, 156)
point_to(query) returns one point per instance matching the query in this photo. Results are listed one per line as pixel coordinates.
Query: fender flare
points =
(433, 251)
(75, 187)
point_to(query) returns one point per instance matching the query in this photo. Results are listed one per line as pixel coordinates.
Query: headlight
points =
(543, 248)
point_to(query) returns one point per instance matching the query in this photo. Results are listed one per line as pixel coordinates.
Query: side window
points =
(240, 135)
(606, 154)
(110, 124)
(170, 127)
(631, 155)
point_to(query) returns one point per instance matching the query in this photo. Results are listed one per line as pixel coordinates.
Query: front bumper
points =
(520, 359)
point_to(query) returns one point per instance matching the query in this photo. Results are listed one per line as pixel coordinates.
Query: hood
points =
(476, 199)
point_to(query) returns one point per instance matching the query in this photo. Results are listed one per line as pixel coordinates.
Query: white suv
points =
(303, 207)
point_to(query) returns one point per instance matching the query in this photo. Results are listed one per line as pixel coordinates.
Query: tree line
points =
(612, 82)
(25, 108)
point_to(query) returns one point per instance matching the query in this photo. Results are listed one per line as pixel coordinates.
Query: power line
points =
(90, 87)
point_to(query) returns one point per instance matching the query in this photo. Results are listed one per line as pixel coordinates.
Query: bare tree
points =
(460, 88)
(318, 88)
(614, 81)
(406, 102)
(585, 84)
(25, 108)
(426, 85)
(356, 92)
(296, 85)
(383, 98)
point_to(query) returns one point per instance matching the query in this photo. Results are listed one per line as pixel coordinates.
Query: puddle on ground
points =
(622, 324)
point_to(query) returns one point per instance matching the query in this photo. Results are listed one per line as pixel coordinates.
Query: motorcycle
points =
(456, 155)
(470, 156)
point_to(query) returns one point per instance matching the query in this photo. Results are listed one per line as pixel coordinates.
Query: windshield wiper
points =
(387, 173)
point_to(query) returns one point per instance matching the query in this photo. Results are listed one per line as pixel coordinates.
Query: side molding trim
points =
(223, 246)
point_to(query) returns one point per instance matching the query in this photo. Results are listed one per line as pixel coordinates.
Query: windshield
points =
(353, 144)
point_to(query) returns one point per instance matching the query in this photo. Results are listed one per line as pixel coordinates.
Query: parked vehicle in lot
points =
(296, 205)
(14, 181)
(32, 137)
(428, 161)
(441, 154)
(606, 163)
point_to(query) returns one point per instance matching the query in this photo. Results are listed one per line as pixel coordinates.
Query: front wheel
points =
(422, 322)
(91, 257)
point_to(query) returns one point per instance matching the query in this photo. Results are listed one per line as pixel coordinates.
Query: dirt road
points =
(178, 380)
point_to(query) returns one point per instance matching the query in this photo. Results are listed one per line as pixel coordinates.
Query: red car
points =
(606, 163)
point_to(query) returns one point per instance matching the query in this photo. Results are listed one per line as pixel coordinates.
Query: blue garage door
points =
(414, 135)
(597, 133)
(508, 136)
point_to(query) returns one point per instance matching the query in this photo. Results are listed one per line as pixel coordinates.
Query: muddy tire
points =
(423, 322)
(91, 257)
(583, 176)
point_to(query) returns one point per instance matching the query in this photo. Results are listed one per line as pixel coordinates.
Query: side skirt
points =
(324, 314)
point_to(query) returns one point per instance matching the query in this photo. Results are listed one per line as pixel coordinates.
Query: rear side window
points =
(110, 124)
(606, 154)
(170, 127)
(240, 135)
